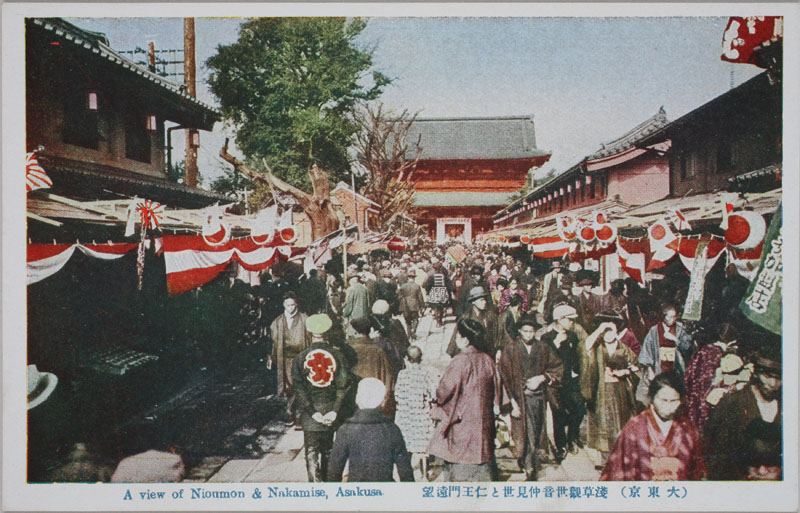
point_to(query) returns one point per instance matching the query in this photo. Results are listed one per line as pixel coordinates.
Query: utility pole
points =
(192, 135)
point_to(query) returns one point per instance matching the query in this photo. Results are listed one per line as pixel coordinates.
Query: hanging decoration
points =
(693, 308)
(549, 247)
(631, 253)
(215, 231)
(746, 230)
(286, 230)
(661, 239)
(744, 35)
(678, 220)
(191, 262)
(763, 301)
(45, 260)
(35, 175)
(262, 231)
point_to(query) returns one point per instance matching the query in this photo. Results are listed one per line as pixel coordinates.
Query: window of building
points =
(137, 137)
(688, 165)
(80, 121)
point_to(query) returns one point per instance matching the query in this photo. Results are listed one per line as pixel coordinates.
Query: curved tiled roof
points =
(511, 137)
(98, 44)
(631, 137)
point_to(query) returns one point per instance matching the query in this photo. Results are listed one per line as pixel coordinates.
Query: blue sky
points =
(585, 80)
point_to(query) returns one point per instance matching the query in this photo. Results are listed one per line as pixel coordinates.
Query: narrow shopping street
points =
(281, 449)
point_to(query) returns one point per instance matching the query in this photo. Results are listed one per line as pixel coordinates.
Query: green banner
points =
(763, 301)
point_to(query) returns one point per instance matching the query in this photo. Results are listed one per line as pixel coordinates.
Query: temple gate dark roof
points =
(511, 137)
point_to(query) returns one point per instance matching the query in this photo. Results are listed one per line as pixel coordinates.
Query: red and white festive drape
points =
(47, 259)
(191, 262)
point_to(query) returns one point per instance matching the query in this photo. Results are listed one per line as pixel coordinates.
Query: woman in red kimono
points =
(658, 444)
(468, 397)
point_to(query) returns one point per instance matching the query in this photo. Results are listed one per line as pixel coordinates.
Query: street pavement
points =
(284, 460)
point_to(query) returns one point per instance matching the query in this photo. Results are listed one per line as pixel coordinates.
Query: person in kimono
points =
(666, 348)
(658, 444)
(289, 338)
(608, 383)
(531, 371)
(467, 400)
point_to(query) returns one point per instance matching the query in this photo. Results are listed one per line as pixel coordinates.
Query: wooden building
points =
(733, 142)
(470, 167)
(97, 119)
(619, 172)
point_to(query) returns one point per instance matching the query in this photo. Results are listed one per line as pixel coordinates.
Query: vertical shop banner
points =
(693, 309)
(763, 302)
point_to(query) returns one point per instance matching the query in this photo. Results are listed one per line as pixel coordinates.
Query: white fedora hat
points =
(40, 386)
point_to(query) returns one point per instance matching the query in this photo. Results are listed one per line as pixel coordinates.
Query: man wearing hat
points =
(550, 283)
(568, 415)
(530, 371)
(479, 310)
(410, 301)
(742, 436)
(472, 280)
(393, 335)
(289, 337)
(589, 302)
(386, 289)
(356, 302)
(320, 383)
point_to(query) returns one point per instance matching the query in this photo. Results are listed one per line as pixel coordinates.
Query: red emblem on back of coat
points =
(321, 366)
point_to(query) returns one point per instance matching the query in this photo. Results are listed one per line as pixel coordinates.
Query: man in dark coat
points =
(372, 360)
(410, 301)
(569, 413)
(390, 328)
(742, 436)
(472, 280)
(528, 368)
(508, 321)
(320, 379)
(371, 442)
(480, 311)
(386, 289)
(314, 292)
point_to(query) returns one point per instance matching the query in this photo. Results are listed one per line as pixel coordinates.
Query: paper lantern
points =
(262, 239)
(745, 230)
(588, 180)
(577, 184)
(525, 239)
(218, 238)
(288, 234)
(586, 234)
(606, 233)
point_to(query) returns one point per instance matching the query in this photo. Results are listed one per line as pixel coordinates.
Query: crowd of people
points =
(615, 371)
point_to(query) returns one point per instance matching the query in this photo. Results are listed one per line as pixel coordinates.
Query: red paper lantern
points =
(607, 233)
(288, 234)
(587, 234)
(525, 239)
(218, 238)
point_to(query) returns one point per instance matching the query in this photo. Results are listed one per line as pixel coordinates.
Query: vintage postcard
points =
(400, 257)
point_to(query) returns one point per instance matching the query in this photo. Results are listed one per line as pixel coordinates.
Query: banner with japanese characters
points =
(763, 302)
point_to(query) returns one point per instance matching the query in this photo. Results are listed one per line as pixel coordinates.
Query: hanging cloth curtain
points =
(44, 260)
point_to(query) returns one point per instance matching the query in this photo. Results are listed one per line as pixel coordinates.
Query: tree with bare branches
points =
(383, 150)
(316, 205)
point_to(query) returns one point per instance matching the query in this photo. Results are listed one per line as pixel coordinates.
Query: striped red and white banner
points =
(191, 263)
(549, 247)
(47, 259)
(35, 176)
